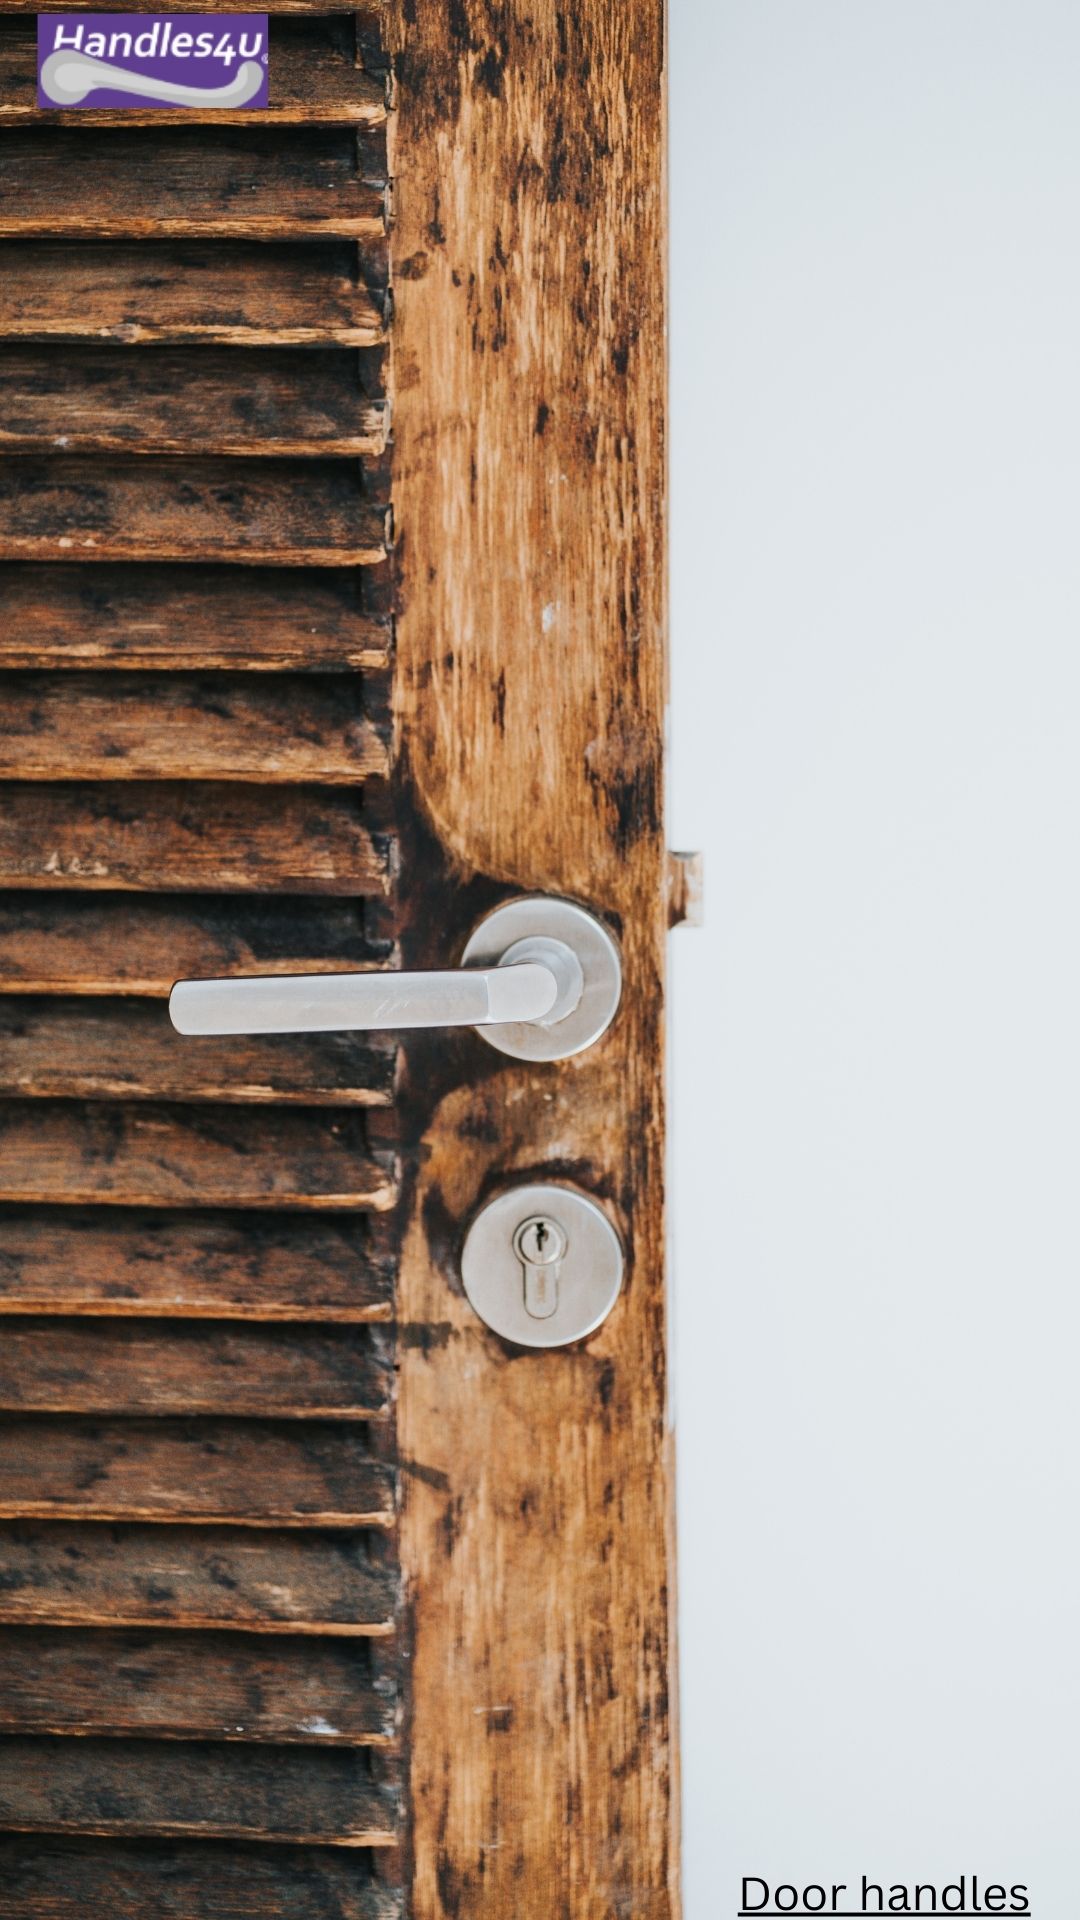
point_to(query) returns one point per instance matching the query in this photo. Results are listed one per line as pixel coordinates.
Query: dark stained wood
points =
(185, 1686)
(65, 1573)
(254, 1267)
(92, 726)
(242, 511)
(193, 182)
(69, 1880)
(139, 944)
(187, 400)
(127, 1049)
(70, 1153)
(269, 620)
(238, 294)
(313, 79)
(150, 1787)
(199, 1636)
(151, 1367)
(186, 839)
(528, 476)
(297, 1474)
(528, 267)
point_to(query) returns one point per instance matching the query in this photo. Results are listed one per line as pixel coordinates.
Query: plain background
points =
(876, 1072)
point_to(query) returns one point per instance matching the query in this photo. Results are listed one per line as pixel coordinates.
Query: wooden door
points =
(331, 530)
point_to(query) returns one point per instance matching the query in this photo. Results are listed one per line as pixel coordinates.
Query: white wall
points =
(876, 738)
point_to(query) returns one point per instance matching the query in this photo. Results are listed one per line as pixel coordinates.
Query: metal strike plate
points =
(542, 1265)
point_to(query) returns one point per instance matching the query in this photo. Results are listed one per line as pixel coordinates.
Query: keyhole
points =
(540, 1245)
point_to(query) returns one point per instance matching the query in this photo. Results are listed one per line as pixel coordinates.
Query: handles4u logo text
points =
(167, 60)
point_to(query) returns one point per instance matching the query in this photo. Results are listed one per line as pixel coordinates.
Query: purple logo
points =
(196, 60)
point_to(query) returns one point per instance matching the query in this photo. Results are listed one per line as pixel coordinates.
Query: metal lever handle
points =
(329, 1002)
(544, 980)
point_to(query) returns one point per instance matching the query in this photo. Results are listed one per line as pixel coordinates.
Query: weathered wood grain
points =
(294, 513)
(182, 727)
(91, 1049)
(70, 1153)
(189, 183)
(188, 400)
(198, 1585)
(251, 1473)
(150, 1787)
(138, 944)
(269, 620)
(314, 79)
(167, 838)
(69, 1880)
(528, 264)
(253, 1267)
(126, 1366)
(90, 726)
(184, 1686)
(686, 889)
(72, 1574)
(239, 294)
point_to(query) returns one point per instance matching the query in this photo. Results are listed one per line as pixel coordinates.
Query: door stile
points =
(529, 480)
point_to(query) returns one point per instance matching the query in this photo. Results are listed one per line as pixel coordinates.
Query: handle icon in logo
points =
(69, 75)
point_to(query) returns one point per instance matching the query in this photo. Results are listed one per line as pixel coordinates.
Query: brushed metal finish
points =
(334, 1002)
(541, 980)
(542, 1265)
(539, 917)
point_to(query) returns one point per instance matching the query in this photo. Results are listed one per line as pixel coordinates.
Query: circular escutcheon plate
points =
(538, 917)
(573, 1295)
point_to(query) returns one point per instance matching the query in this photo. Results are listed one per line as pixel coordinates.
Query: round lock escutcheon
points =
(542, 1265)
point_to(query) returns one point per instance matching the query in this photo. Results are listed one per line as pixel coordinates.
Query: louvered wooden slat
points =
(72, 1154)
(253, 1267)
(296, 1474)
(89, 726)
(313, 78)
(83, 1574)
(201, 400)
(166, 838)
(128, 1049)
(242, 511)
(174, 1686)
(197, 1482)
(204, 183)
(70, 1880)
(221, 1791)
(145, 1367)
(235, 294)
(199, 618)
(132, 944)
